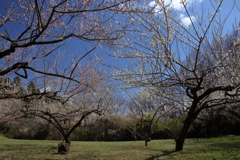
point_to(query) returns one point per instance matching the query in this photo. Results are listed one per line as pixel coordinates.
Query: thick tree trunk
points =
(146, 143)
(180, 140)
(192, 114)
(67, 139)
(179, 144)
(63, 147)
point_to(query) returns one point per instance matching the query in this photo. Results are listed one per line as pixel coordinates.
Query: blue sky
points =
(196, 9)
(79, 47)
(76, 46)
(198, 5)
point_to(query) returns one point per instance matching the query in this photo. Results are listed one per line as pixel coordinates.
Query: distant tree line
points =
(116, 128)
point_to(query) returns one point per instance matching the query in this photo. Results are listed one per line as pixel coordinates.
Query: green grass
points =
(199, 149)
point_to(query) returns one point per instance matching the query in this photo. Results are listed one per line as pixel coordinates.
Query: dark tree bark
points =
(147, 140)
(63, 148)
(180, 140)
(192, 114)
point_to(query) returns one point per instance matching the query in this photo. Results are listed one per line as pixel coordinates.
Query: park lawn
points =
(209, 149)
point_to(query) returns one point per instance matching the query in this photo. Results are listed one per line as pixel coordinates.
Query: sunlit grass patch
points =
(211, 148)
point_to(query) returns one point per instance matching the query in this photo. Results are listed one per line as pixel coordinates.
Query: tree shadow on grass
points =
(165, 153)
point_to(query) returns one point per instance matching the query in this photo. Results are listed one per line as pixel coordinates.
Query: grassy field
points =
(197, 149)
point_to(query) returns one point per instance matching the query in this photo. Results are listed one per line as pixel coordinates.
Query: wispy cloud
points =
(176, 5)
(186, 21)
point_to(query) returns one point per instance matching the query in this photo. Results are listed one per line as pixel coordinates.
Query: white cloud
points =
(186, 21)
(151, 4)
(178, 6)
(175, 4)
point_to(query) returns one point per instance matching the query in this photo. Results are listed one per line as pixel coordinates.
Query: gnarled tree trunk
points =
(63, 147)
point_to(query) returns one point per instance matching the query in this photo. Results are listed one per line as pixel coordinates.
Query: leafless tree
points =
(144, 112)
(36, 37)
(190, 60)
(90, 103)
